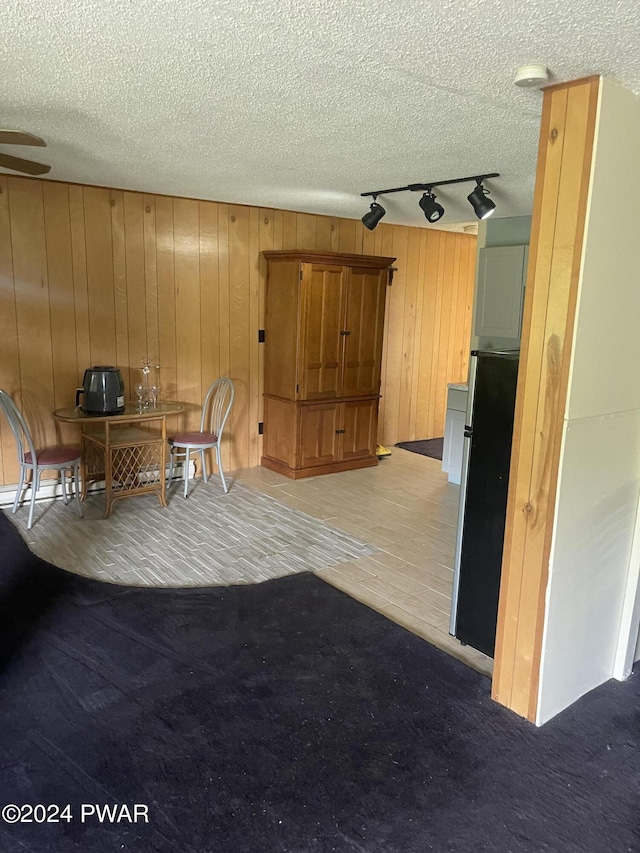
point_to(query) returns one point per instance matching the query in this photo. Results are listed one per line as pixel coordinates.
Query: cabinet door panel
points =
(279, 430)
(322, 322)
(281, 326)
(360, 424)
(501, 272)
(366, 292)
(318, 437)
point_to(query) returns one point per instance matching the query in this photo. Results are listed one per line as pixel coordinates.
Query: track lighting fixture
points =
(433, 211)
(374, 215)
(430, 207)
(482, 205)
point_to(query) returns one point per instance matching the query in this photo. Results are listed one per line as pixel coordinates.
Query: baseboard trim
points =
(52, 490)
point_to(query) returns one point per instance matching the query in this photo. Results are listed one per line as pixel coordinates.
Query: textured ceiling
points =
(300, 105)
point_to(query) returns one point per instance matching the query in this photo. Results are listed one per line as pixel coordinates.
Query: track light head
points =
(482, 205)
(374, 215)
(430, 207)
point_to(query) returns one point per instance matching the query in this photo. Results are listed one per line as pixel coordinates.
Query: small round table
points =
(127, 451)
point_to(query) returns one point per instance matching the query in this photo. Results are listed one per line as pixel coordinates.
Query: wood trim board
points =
(560, 206)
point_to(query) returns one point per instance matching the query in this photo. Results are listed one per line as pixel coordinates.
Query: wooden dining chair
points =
(215, 411)
(60, 459)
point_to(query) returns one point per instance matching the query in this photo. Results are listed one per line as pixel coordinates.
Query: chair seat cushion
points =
(185, 438)
(55, 456)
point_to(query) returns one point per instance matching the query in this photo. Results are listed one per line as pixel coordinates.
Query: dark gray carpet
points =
(283, 717)
(425, 447)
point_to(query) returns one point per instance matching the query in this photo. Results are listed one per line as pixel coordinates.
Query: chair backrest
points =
(217, 405)
(19, 427)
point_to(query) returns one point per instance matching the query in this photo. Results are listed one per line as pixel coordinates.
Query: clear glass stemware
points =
(140, 395)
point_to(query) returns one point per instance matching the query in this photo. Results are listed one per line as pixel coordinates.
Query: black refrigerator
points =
(484, 484)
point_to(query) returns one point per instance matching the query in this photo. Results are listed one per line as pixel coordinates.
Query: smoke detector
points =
(531, 76)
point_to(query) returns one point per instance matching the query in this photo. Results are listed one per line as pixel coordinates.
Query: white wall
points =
(591, 566)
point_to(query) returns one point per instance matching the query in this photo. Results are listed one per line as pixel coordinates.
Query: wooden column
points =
(560, 204)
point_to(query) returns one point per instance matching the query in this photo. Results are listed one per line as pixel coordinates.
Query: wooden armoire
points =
(323, 353)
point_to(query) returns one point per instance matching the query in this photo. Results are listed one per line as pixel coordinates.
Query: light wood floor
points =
(407, 509)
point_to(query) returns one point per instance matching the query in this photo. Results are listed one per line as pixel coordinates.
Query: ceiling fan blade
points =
(29, 167)
(20, 137)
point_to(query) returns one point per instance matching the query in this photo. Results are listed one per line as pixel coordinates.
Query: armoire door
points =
(318, 443)
(365, 293)
(322, 322)
(359, 429)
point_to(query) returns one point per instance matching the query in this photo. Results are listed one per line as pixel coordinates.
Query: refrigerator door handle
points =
(453, 618)
(471, 393)
(466, 450)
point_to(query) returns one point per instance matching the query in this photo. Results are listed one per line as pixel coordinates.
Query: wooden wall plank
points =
(289, 230)
(384, 247)
(394, 329)
(80, 284)
(209, 345)
(416, 378)
(102, 328)
(323, 234)
(186, 231)
(151, 275)
(277, 217)
(9, 357)
(368, 241)
(305, 231)
(428, 343)
(453, 313)
(223, 291)
(208, 249)
(445, 342)
(335, 234)
(136, 285)
(165, 265)
(350, 236)
(409, 333)
(61, 313)
(118, 242)
(438, 339)
(239, 337)
(29, 252)
(209, 348)
(122, 275)
(465, 304)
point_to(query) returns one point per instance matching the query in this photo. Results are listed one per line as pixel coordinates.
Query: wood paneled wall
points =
(427, 326)
(102, 276)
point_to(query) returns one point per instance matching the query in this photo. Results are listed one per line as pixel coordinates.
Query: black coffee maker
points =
(103, 390)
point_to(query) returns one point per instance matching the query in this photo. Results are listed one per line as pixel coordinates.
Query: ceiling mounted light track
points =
(433, 211)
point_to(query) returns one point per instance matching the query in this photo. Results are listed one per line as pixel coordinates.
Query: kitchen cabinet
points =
(500, 291)
(324, 321)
